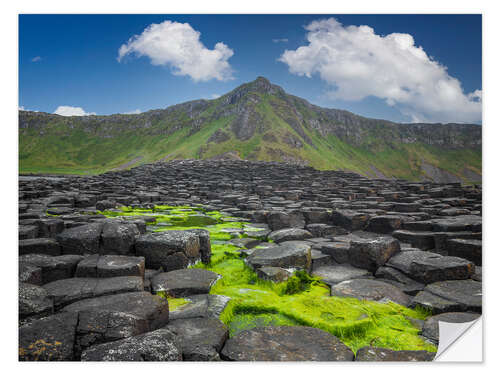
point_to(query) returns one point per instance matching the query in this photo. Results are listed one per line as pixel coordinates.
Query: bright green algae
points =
(301, 300)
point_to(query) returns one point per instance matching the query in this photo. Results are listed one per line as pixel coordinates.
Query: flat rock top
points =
(159, 345)
(373, 290)
(184, 282)
(141, 304)
(335, 274)
(285, 344)
(371, 354)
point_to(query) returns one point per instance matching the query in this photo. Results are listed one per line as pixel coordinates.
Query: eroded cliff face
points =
(260, 121)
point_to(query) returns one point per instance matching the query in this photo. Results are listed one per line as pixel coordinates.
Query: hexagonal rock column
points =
(291, 254)
(185, 282)
(285, 344)
(169, 249)
(110, 266)
(372, 354)
(372, 290)
(372, 253)
(159, 345)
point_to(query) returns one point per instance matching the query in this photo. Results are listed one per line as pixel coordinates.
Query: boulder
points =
(159, 345)
(185, 282)
(285, 344)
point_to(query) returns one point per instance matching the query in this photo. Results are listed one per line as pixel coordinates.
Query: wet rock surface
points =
(88, 281)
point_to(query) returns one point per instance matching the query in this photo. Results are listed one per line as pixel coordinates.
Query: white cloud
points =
(214, 96)
(280, 40)
(65, 110)
(178, 46)
(358, 63)
(135, 112)
(36, 58)
(21, 108)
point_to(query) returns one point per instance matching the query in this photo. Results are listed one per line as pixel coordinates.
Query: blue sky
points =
(402, 68)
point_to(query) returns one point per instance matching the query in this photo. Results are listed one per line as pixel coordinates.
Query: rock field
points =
(102, 277)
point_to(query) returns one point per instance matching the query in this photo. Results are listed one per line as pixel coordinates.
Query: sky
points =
(404, 68)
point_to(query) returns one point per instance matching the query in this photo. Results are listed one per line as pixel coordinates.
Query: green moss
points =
(301, 300)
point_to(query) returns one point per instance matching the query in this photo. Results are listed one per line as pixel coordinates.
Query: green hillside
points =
(256, 121)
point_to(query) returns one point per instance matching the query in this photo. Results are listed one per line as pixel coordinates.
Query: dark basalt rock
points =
(159, 345)
(143, 305)
(371, 354)
(48, 339)
(469, 249)
(81, 240)
(47, 246)
(291, 254)
(186, 282)
(53, 268)
(289, 234)
(372, 253)
(372, 290)
(344, 229)
(201, 338)
(285, 344)
(66, 291)
(118, 238)
(110, 266)
(333, 275)
(156, 248)
(33, 300)
(275, 274)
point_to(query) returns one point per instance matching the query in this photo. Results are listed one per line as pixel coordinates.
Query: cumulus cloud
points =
(358, 63)
(214, 96)
(36, 58)
(280, 40)
(135, 112)
(21, 108)
(178, 46)
(65, 110)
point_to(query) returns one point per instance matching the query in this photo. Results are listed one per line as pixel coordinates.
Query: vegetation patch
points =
(302, 300)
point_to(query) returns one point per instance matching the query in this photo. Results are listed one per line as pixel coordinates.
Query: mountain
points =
(256, 121)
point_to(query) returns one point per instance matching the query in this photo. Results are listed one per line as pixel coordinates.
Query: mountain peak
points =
(263, 85)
